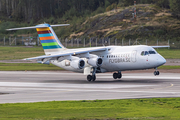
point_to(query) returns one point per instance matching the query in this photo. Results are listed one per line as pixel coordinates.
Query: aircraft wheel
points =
(157, 72)
(93, 77)
(119, 75)
(89, 78)
(115, 75)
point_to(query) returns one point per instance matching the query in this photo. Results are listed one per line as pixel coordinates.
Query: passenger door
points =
(133, 56)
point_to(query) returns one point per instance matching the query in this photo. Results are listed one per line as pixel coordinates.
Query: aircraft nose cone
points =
(161, 61)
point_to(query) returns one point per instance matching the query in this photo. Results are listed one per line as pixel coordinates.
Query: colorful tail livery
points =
(47, 36)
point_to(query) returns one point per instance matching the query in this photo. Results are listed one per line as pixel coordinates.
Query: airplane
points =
(94, 60)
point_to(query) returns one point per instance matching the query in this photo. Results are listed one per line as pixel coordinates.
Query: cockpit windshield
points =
(152, 52)
(143, 53)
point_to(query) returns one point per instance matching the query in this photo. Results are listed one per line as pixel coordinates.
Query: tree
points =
(162, 3)
(175, 6)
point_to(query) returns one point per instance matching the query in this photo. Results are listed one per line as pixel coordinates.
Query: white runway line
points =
(142, 77)
(91, 90)
(63, 85)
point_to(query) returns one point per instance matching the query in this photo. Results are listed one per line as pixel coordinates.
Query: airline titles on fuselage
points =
(118, 58)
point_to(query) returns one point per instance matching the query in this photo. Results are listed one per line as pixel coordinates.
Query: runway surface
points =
(20, 87)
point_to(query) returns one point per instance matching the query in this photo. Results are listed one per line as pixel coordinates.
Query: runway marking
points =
(62, 85)
(142, 77)
(165, 87)
(88, 90)
(37, 86)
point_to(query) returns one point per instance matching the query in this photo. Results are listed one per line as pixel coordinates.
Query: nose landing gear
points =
(156, 72)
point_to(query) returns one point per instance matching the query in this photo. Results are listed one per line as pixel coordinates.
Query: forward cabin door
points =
(133, 56)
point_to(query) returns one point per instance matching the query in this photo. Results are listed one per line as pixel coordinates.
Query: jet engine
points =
(77, 64)
(95, 62)
(43, 61)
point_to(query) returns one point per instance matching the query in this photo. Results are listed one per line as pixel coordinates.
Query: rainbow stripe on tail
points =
(47, 36)
(49, 40)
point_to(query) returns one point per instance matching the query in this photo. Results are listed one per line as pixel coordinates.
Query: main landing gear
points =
(117, 75)
(93, 76)
(156, 72)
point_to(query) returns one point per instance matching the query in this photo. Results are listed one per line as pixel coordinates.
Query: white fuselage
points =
(122, 58)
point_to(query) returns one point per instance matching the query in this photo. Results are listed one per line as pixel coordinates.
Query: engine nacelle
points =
(77, 64)
(95, 62)
(43, 61)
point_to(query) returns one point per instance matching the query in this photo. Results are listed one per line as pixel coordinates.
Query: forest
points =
(34, 10)
(80, 15)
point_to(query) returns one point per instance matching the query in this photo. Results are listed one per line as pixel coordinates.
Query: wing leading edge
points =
(69, 53)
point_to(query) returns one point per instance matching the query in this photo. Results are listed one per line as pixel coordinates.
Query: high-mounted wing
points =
(161, 46)
(70, 52)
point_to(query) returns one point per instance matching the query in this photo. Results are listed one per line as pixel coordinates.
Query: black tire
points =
(93, 77)
(155, 73)
(115, 75)
(89, 78)
(119, 75)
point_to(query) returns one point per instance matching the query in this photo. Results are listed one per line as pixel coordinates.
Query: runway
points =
(23, 87)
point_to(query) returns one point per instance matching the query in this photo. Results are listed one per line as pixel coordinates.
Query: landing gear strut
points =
(156, 72)
(93, 76)
(117, 75)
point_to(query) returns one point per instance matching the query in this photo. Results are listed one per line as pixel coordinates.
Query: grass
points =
(44, 67)
(128, 109)
(9, 53)
(28, 67)
(169, 67)
(169, 53)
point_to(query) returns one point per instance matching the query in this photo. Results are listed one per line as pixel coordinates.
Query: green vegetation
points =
(169, 53)
(44, 67)
(9, 53)
(169, 67)
(130, 109)
(157, 19)
(28, 67)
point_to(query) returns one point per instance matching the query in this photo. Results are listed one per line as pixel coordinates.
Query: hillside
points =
(152, 22)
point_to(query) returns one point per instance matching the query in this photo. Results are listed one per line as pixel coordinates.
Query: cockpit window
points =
(142, 53)
(152, 52)
(146, 53)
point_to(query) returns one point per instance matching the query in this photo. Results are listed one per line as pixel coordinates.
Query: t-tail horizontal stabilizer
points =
(37, 26)
(47, 36)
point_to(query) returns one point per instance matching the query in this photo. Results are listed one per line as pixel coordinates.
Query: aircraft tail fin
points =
(47, 36)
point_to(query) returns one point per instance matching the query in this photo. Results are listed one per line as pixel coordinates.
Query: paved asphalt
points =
(21, 87)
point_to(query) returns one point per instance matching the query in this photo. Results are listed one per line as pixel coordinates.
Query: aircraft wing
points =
(70, 52)
(160, 46)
